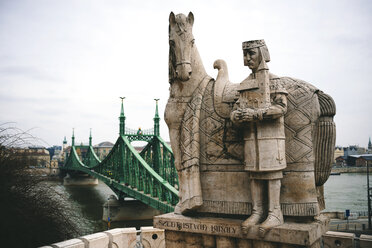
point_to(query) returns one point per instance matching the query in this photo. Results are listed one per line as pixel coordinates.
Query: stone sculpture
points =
(260, 112)
(188, 81)
(258, 150)
(209, 148)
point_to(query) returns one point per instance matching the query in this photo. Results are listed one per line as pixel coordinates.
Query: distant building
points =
(103, 149)
(139, 148)
(81, 150)
(54, 163)
(353, 155)
(339, 151)
(54, 150)
(341, 161)
(64, 146)
(354, 150)
(359, 160)
(38, 156)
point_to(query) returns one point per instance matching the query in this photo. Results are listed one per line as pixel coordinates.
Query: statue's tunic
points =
(264, 139)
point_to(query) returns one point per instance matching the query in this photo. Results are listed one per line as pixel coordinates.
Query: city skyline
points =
(64, 64)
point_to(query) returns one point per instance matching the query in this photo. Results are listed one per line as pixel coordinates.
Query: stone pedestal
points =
(183, 231)
(129, 209)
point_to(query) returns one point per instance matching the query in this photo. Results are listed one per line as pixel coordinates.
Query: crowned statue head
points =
(256, 55)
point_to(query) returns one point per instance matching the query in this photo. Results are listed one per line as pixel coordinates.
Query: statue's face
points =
(252, 58)
(181, 42)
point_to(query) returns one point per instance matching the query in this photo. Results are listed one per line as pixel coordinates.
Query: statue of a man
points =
(259, 111)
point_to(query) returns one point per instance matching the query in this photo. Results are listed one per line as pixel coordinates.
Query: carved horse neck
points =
(186, 70)
(186, 88)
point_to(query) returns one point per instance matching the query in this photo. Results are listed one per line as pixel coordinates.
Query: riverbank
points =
(46, 172)
(349, 170)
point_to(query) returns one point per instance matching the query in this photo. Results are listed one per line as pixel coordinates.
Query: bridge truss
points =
(148, 176)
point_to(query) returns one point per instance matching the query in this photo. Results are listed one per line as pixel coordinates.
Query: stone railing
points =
(346, 240)
(349, 169)
(147, 237)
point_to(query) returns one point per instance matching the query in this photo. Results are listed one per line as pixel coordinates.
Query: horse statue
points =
(208, 148)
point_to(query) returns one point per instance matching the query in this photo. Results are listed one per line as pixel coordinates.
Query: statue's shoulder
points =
(277, 85)
(231, 93)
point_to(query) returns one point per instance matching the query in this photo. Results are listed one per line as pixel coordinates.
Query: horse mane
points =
(172, 64)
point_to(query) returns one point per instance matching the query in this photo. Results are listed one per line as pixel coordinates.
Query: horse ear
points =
(172, 18)
(190, 18)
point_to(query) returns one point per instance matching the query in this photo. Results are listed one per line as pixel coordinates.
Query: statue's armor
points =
(264, 140)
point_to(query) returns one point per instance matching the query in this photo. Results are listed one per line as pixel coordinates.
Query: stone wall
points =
(148, 237)
(350, 170)
(343, 240)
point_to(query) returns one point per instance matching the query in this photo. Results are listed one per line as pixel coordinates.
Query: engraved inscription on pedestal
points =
(289, 233)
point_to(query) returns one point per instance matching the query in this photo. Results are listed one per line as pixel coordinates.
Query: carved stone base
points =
(183, 231)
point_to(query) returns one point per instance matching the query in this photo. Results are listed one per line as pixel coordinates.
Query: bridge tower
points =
(156, 120)
(157, 161)
(122, 118)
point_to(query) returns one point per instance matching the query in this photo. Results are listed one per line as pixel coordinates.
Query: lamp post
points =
(369, 198)
(108, 214)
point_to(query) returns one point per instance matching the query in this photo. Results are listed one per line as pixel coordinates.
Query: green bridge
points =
(148, 176)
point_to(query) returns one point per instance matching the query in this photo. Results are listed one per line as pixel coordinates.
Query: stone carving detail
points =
(259, 112)
(209, 149)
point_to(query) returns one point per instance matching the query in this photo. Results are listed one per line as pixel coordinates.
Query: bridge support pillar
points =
(81, 179)
(127, 209)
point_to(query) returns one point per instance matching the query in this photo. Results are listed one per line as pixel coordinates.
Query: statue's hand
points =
(248, 114)
(235, 116)
(242, 115)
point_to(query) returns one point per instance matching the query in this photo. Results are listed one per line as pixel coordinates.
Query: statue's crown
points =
(253, 44)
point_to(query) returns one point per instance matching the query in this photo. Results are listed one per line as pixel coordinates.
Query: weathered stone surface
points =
(127, 210)
(261, 148)
(96, 240)
(152, 237)
(193, 240)
(338, 239)
(304, 234)
(122, 237)
(225, 242)
(174, 239)
(365, 241)
(209, 148)
(209, 241)
(72, 243)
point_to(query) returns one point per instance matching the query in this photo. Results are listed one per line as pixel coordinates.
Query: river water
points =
(345, 191)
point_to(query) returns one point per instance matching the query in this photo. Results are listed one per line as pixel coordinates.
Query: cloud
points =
(64, 64)
(27, 72)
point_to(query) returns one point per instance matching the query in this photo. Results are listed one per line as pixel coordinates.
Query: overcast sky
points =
(64, 64)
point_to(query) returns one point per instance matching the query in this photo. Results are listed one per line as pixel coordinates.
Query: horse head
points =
(181, 42)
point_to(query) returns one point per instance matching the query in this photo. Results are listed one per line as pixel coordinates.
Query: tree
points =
(33, 214)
